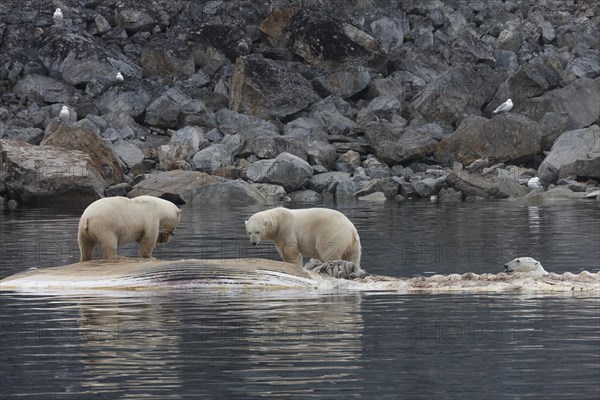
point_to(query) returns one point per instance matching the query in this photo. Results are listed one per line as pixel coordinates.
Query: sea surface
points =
(228, 344)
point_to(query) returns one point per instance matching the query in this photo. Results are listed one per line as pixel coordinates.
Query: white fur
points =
(319, 233)
(115, 221)
(525, 264)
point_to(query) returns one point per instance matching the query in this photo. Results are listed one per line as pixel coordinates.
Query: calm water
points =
(291, 344)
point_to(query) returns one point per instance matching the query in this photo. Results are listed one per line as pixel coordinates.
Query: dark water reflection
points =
(291, 344)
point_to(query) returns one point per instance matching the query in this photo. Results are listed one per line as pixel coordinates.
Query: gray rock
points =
(168, 57)
(34, 86)
(35, 173)
(266, 89)
(463, 89)
(449, 195)
(348, 162)
(230, 122)
(184, 143)
(235, 192)
(505, 138)
(306, 129)
(552, 126)
(587, 66)
(375, 197)
(488, 186)
(286, 170)
(271, 146)
(102, 24)
(306, 196)
(575, 153)
(128, 153)
(388, 31)
(177, 185)
(164, 111)
(212, 158)
(345, 83)
(375, 168)
(28, 135)
(118, 125)
(78, 58)
(327, 180)
(429, 186)
(578, 100)
(388, 186)
(320, 154)
(345, 190)
(412, 144)
(528, 80)
(131, 99)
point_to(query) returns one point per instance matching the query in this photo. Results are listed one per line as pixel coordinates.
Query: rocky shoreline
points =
(239, 101)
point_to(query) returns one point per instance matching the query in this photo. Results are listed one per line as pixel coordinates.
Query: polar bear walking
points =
(115, 221)
(319, 233)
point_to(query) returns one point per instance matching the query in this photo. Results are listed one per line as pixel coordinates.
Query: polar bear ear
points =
(246, 222)
(178, 211)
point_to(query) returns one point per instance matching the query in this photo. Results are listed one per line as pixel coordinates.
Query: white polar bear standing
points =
(319, 233)
(115, 221)
(525, 264)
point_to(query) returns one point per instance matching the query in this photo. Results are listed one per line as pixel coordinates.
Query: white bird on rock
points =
(119, 77)
(535, 185)
(64, 114)
(57, 16)
(504, 107)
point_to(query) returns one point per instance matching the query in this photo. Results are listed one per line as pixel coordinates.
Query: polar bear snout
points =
(254, 239)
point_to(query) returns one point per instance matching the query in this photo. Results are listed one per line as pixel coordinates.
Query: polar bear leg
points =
(290, 253)
(86, 248)
(146, 246)
(108, 246)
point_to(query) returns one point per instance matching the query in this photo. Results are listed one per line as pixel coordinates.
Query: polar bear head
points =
(261, 225)
(525, 264)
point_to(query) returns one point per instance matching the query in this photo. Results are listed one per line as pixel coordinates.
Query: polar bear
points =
(114, 221)
(319, 233)
(525, 264)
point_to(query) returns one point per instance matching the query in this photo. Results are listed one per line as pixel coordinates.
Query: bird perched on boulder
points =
(504, 107)
(64, 115)
(535, 185)
(119, 77)
(57, 16)
(479, 164)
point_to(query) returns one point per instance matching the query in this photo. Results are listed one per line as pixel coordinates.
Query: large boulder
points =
(231, 122)
(168, 57)
(579, 101)
(266, 89)
(486, 186)
(212, 158)
(176, 185)
(286, 170)
(85, 139)
(128, 97)
(529, 80)
(320, 35)
(345, 82)
(34, 86)
(48, 173)
(78, 57)
(395, 145)
(271, 146)
(574, 154)
(464, 89)
(183, 145)
(235, 192)
(164, 111)
(509, 138)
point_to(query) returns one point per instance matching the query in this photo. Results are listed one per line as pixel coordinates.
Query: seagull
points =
(504, 107)
(535, 185)
(119, 77)
(57, 16)
(242, 47)
(478, 164)
(64, 114)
